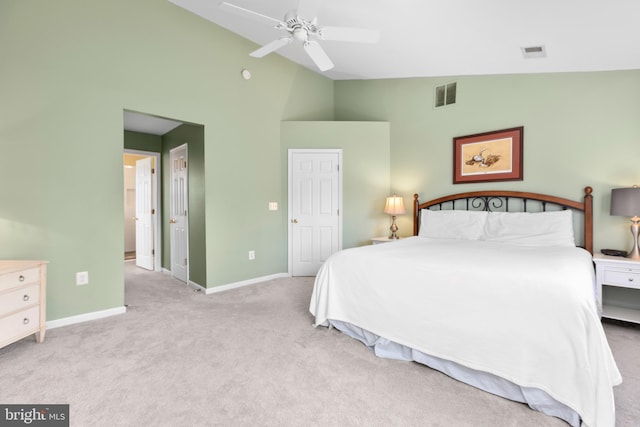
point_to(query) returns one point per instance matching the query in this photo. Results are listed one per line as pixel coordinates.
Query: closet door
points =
(315, 183)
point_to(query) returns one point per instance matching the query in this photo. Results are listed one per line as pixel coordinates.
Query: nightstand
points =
(618, 287)
(386, 239)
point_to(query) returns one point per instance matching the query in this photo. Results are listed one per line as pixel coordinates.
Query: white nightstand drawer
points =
(629, 278)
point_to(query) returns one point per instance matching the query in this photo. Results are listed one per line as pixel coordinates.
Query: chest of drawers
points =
(22, 300)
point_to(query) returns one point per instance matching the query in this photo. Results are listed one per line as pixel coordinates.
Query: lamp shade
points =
(394, 205)
(625, 201)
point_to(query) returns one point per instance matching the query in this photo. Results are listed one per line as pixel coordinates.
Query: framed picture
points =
(488, 156)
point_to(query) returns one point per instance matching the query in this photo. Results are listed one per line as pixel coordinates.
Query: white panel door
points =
(144, 213)
(179, 220)
(315, 209)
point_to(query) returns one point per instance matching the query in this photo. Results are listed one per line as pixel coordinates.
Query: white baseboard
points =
(191, 283)
(66, 321)
(221, 288)
(245, 283)
(95, 315)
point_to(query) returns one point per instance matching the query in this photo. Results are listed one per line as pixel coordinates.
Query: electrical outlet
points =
(82, 278)
(252, 255)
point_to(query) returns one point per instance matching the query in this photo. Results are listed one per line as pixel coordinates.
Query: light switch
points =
(82, 278)
(273, 206)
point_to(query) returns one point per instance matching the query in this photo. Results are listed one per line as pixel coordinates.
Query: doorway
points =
(160, 135)
(142, 212)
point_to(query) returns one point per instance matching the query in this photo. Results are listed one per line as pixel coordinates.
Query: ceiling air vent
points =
(534, 52)
(445, 95)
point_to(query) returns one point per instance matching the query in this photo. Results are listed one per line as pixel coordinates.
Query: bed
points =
(492, 290)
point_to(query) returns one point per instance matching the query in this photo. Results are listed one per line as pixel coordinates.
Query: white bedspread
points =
(526, 314)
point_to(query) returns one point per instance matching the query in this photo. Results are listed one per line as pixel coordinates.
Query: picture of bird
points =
(483, 161)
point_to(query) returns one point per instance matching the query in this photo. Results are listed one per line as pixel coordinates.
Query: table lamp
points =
(393, 207)
(626, 202)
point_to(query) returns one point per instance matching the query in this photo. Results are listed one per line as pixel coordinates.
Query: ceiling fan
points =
(305, 31)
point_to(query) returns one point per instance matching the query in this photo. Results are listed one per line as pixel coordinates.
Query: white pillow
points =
(553, 228)
(462, 225)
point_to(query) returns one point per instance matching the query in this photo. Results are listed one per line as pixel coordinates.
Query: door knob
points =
(172, 221)
(294, 220)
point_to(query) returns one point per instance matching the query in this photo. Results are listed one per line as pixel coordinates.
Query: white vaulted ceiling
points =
(421, 38)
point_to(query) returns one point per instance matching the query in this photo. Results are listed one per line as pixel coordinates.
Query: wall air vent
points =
(534, 52)
(445, 94)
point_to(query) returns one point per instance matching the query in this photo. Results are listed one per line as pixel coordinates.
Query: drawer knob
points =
(21, 278)
(26, 321)
(631, 279)
(25, 297)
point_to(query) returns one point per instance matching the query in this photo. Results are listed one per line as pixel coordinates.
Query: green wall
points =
(69, 69)
(579, 129)
(142, 141)
(365, 173)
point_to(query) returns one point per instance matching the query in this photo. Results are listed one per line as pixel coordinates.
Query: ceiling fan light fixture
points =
(300, 34)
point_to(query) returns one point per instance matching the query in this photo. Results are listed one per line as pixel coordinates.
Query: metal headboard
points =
(510, 201)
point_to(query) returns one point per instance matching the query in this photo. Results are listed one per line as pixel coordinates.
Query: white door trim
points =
(156, 205)
(290, 154)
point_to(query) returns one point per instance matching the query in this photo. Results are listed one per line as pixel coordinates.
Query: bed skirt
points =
(535, 398)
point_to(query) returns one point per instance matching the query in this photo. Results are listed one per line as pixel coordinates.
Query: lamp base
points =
(634, 253)
(394, 230)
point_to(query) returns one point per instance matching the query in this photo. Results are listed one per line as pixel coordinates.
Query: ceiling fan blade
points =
(249, 14)
(308, 9)
(270, 47)
(345, 34)
(318, 55)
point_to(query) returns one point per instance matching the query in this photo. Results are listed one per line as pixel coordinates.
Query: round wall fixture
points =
(246, 74)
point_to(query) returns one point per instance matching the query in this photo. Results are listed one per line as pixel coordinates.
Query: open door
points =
(178, 219)
(144, 214)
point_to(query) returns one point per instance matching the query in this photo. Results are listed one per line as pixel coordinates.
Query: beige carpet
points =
(250, 357)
